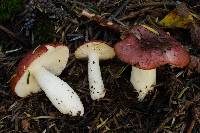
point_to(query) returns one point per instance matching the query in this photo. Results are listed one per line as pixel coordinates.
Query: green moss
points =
(43, 31)
(9, 8)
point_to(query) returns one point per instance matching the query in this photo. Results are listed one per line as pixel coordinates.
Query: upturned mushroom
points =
(146, 49)
(95, 51)
(39, 69)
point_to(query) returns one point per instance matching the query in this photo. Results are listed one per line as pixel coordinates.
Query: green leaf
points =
(27, 81)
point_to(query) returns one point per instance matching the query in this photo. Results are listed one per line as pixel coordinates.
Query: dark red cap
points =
(148, 49)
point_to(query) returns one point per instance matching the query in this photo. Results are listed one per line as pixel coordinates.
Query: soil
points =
(173, 106)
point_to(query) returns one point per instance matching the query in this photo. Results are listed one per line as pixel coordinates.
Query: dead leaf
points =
(180, 17)
(25, 125)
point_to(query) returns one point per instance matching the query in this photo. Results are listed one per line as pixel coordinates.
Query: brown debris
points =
(183, 10)
(195, 34)
(14, 36)
(194, 63)
(132, 15)
(179, 111)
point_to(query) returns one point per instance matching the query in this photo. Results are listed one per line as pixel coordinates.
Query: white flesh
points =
(57, 56)
(59, 92)
(143, 81)
(96, 85)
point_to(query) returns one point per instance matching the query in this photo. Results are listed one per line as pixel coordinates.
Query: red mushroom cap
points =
(147, 49)
(41, 55)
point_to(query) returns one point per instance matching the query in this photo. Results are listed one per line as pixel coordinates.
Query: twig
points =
(152, 101)
(195, 115)
(104, 22)
(152, 4)
(192, 124)
(12, 35)
(134, 14)
(14, 50)
(119, 10)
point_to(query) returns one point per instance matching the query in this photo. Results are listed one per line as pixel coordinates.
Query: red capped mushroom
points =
(39, 69)
(146, 49)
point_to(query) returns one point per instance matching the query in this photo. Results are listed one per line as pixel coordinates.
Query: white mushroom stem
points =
(59, 92)
(143, 81)
(96, 85)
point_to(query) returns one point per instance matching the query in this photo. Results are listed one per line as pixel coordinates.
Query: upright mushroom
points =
(95, 51)
(146, 49)
(39, 69)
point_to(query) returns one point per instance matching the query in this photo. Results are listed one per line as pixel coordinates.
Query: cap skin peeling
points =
(37, 71)
(95, 51)
(145, 51)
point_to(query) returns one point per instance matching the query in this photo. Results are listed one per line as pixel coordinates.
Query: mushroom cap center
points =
(147, 50)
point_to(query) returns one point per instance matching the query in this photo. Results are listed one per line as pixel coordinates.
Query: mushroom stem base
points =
(96, 85)
(59, 92)
(143, 81)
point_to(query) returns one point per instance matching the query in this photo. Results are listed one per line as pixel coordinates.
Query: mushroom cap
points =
(99, 47)
(52, 57)
(148, 48)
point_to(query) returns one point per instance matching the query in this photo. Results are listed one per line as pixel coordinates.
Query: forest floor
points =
(172, 107)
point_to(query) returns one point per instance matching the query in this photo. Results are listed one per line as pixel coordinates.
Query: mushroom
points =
(146, 49)
(95, 51)
(39, 69)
